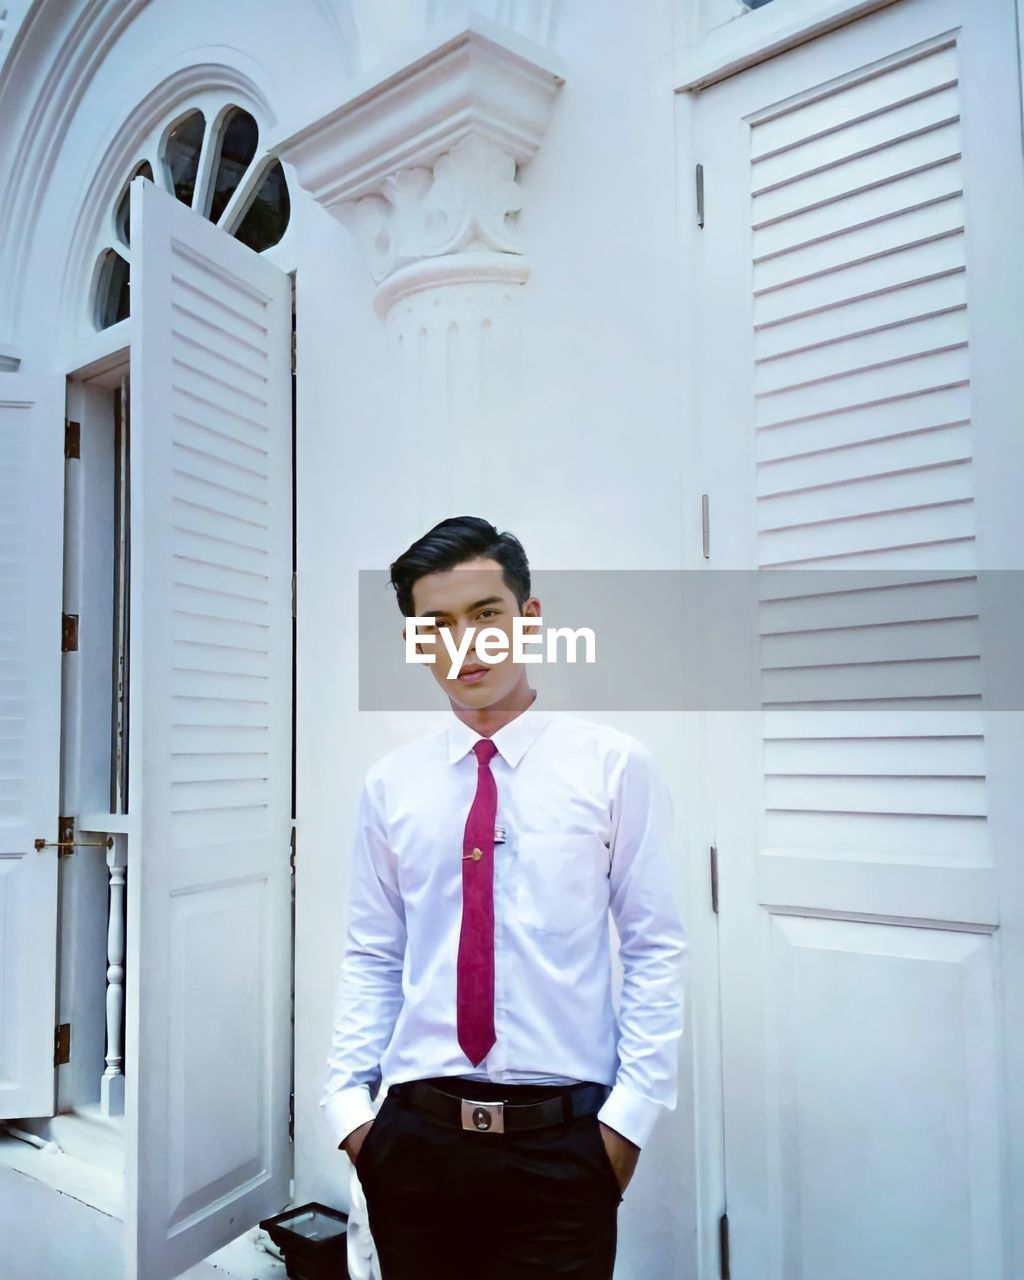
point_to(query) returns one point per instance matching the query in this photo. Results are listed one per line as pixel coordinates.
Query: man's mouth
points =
(471, 674)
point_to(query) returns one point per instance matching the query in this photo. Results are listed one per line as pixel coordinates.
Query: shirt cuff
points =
(630, 1114)
(347, 1109)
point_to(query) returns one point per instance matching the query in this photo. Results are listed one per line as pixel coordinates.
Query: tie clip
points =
(477, 854)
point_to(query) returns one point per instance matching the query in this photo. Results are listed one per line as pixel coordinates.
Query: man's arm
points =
(369, 992)
(654, 949)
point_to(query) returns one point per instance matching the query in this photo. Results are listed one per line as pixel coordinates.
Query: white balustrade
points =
(112, 1084)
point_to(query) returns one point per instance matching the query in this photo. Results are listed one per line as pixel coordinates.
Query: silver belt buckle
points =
(483, 1117)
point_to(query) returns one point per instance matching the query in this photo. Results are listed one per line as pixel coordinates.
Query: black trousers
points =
(454, 1204)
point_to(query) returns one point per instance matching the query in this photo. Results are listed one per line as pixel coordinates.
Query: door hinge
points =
(291, 1116)
(295, 348)
(72, 439)
(723, 1246)
(293, 595)
(62, 1045)
(69, 633)
(705, 526)
(714, 879)
(291, 857)
(699, 179)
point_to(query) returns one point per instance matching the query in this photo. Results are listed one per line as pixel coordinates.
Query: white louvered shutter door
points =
(856, 189)
(31, 568)
(209, 1032)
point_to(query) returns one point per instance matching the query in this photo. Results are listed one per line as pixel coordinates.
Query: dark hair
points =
(453, 542)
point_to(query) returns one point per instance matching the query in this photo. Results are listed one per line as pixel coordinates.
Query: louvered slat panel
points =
(858, 352)
(864, 449)
(15, 467)
(860, 243)
(225, 459)
(211, 679)
(938, 446)
(913, 681)
(193, 327)
(866, 495)
(855, 138)
(951, 553)
(859, 209)
(908, 377)
(31, 549)
(197, 295)
(880, 794)
(227, 374)
(862, 94)
(879, 421)
(862, 280)
(852, 747)
(195, 384)
(892, 530)
(203, 518)
(871, 643)
(909, 836)
(221, 588)
(853, 599)
(856, 173)
(851, 757)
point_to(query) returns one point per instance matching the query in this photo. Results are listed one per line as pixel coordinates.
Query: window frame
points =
(216, 106)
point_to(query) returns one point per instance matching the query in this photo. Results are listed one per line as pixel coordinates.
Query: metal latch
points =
(66, 844)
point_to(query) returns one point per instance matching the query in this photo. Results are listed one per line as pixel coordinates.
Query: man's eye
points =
(484, 612)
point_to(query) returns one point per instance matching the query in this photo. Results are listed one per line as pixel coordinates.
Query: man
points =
(476, 980)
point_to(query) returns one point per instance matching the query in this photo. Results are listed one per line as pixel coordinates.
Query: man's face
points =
(474, 595)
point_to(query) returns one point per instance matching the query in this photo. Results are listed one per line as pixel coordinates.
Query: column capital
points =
(421, 163)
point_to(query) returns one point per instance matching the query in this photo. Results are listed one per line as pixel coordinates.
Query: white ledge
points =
(481, 81)
(760, 34)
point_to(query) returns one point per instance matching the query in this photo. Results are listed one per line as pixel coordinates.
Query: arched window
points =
(215, 170)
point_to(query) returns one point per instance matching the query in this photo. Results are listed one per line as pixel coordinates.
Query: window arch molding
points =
(52, 84)
(199, 84)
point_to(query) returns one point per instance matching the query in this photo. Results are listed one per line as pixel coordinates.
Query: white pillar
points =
(422, 169)
(112, 1083)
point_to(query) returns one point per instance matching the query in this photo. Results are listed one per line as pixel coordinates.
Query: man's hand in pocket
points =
(353, 1144)
(622, 1153)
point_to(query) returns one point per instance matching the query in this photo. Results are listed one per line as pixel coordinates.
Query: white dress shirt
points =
(588, 826)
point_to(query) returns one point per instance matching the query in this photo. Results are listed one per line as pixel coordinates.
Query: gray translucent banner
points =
(734, 640)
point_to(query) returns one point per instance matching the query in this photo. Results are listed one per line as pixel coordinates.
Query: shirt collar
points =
(513, 740)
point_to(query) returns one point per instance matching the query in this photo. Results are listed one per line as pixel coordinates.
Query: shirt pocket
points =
(563, 881)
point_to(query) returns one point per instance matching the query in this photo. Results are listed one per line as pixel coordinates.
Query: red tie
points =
(475, 1000)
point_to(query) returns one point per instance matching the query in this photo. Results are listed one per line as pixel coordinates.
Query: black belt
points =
(498, 1115)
